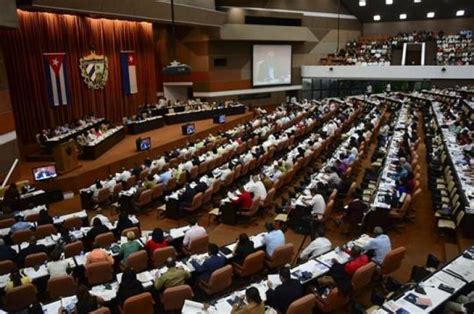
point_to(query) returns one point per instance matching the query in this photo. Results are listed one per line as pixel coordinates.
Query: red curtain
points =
(40, 33)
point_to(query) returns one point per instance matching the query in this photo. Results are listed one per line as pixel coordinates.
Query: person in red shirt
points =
(244, 201)
(358, 260)
(157, 241)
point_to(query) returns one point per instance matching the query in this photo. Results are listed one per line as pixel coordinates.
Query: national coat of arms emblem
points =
(94, 70)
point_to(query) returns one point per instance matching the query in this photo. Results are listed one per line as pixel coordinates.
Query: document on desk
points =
(192, 307)
(275, 280)
(178, 232)
(463, 267)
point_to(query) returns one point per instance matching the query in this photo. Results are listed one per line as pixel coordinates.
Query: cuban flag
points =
(56, 78)
(129, 72)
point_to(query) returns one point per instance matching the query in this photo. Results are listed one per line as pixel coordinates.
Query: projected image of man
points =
(266, 71)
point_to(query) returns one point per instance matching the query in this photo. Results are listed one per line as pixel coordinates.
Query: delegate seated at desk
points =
(243, 248)
(193, 233)
(272, 239)
(282, 296)
(174, 276)
(212, 263)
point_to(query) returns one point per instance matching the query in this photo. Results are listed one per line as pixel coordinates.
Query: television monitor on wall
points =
(219, 119)
(271, 65)
(144, 144)
(44, 173)
(188, 128)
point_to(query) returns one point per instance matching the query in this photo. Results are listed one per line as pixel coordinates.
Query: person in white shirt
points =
(317, 203)
(225, 173)
(188, 165)
(122, 177)
(193, 233)
(159, 163)
(57, 267)
(258, 189)
(318, 246)
(380, 245)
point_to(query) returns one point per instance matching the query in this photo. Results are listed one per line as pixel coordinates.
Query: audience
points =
(86, 302)
(32, 248)
(253, 305)
(380, 245)
(318, 246)
(282, 296)
(44, 218)
(243, 248)
(157, 241)
(16, 279)
(6, 252)
(174, 276)
(273, 238)
(97, 228)
(129, 247)
(56, 266)
(358, 260)
(128, 287)
(193, 233)
(212, 263)
(98, 255)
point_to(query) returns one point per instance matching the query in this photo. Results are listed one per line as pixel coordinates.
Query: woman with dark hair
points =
(44, 218)
(97, 228)
(123, 223)
(16, 279)
(129, 286)
(254, 303)
(243, 248)
(157, 241)
(85, 301)
(11, 198)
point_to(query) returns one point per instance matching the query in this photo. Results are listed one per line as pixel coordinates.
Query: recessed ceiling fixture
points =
(388, 2)
(460, 13)
(403, 16)
(417, 1)
(362, 3)
(376, 17)
(430, 15)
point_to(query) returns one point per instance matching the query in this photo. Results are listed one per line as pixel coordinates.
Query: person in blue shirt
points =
(165, 176)
(20, 224)
(273, 239)
(212, 263)
(380, 245)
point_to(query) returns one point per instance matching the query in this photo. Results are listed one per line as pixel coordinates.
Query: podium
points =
(66, 156)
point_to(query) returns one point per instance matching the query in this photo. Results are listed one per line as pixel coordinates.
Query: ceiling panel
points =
(415, 11)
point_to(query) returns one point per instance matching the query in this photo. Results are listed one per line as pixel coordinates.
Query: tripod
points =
(311, 234)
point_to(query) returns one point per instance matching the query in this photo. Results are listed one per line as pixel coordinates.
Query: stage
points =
(124, 154)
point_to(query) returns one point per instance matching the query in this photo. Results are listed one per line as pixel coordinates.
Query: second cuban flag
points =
(129, 72)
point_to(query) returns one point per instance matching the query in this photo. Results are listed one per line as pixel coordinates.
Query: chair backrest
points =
(138, 261)
(194, 172)
(35, 259)
(73, 249)
(104, 239)
(173, 298)
(102, 310)
(328, 211)
(303, 305)
(207, 197)
(72, 223)
(117, 189)
(333, 301)
(171, 185)
(270, 197)
(253, 209)
(363, 276)
(160, 255)
(103, 195)
(61, 286)
(98, 273)
(281, 255)
(393, 260)
(141, 303)
(157, 191)
(199, 245)
(21, 236)
(131, 181)
(144, 198)
(6, 223)
(7, 267)
(135, 230)
(45, 230)
(196, 203)
(19, 298)
(220, 279)
(253, 263)
(32, 217)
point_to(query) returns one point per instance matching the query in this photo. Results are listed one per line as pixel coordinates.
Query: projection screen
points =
(271, 65)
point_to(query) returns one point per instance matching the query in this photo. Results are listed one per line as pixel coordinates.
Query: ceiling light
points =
(388, 2)
(430, 15)
(460, 13)
(376, 17)
(417, 1)
(362, 3)
(403, 16)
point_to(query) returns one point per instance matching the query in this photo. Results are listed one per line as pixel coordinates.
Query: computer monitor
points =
(188, 128)
(144, 144)
(44, 173)
(219, 119)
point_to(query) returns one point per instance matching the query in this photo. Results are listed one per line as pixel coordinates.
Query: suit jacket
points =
(200, 187)
(213, 263)
(30, 249)
(281, 298)
(7, 253)
(187, 196)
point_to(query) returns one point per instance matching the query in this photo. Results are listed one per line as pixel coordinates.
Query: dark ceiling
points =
(443, 9)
